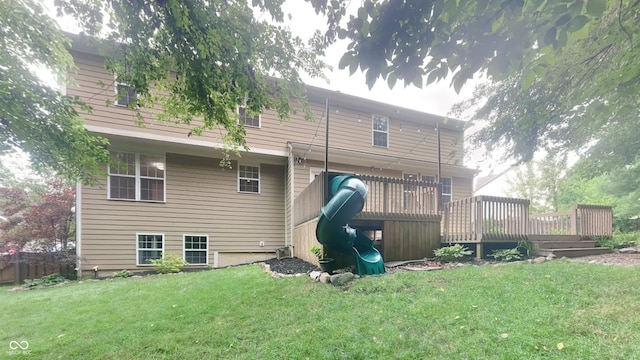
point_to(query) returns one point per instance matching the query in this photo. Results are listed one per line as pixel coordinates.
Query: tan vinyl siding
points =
(461, 187)
(416, 140)
(202, 198)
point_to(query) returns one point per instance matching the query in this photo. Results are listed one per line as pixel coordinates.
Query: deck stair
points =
(565, 246)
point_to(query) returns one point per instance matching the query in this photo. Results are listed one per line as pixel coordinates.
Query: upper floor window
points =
(446, 189)
(125, 94)
(380, 130)
(247, 120)
(248, 178)
(136, 177)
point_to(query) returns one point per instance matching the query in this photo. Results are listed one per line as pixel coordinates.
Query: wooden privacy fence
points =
(485, 218)
(308, 204)
(583, 220)
(23, 265)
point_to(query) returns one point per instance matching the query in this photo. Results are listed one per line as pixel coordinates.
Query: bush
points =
(122, 274)
(170, 263)
(507, 254)
(619, 240)
(527, 248)
(452, 253)
(44, 281)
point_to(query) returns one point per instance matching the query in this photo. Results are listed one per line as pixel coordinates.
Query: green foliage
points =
(427, 41)
(538, 181)
(581, 98)
(317, 251)
(169, 263)
(45, 281)
(506, 255)
(34, 117)
(124, 273)
(452, 253)
(526, 247)
(619, 240)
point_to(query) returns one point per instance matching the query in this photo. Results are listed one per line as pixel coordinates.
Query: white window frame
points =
(138, 177)
(450, 193)
(241, 120)
(185, 250)
(245, 178)
(118, 96)
(138, 249)
(374, 130)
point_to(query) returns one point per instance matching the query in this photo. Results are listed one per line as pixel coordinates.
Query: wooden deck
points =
(400, 203)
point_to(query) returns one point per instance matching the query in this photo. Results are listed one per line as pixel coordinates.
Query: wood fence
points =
(21, 266)
(583, 220)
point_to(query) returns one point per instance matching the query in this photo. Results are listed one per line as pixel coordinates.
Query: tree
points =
(585, 101)
(413, 39)
(539, 182)
(35, 118)
(41, 222)
(220, 54)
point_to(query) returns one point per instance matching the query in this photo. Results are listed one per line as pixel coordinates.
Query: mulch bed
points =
(290, 266)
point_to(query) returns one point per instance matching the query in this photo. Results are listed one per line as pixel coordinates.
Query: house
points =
(172, 196)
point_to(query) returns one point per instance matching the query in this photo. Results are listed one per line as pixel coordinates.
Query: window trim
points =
(184, 248)
(373, 131)
(241, 121)
(138, 247)
(450, 194)
(239, 178)
(137, 176)
(118, 97)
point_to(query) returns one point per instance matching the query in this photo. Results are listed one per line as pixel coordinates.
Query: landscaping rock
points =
(629, 250)
(315, 275)
(551, 257)
(341, 279)
(539, 259)
(325, 278)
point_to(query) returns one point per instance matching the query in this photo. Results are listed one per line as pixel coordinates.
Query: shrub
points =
(48, 280)
(122, 274)
(452, 253)
(618, 240)
(317, 251)
(525, 247)
(507, 254)
(170, 263)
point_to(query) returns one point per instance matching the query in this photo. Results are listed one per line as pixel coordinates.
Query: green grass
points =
(515, 311)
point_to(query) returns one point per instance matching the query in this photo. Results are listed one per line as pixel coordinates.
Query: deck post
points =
(574, 220)
(479, 251)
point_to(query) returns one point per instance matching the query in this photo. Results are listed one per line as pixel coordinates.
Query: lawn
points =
(555, 310)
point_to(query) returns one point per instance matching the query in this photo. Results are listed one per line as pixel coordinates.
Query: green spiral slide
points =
(348, 194)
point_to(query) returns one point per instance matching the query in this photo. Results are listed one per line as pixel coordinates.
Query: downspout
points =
(290, 196)
(79, 230)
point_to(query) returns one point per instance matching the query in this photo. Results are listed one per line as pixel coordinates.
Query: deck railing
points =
(583, 220)
(387, 198)
(401, 197)
(485, 218)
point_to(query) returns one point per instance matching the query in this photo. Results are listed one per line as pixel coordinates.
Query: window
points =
(148, 247)
(429, 178)
(125, 94)
(248, 178)
(446, 189)
(248, 120)
(196, 249)
(380, 131)
(136, 177)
